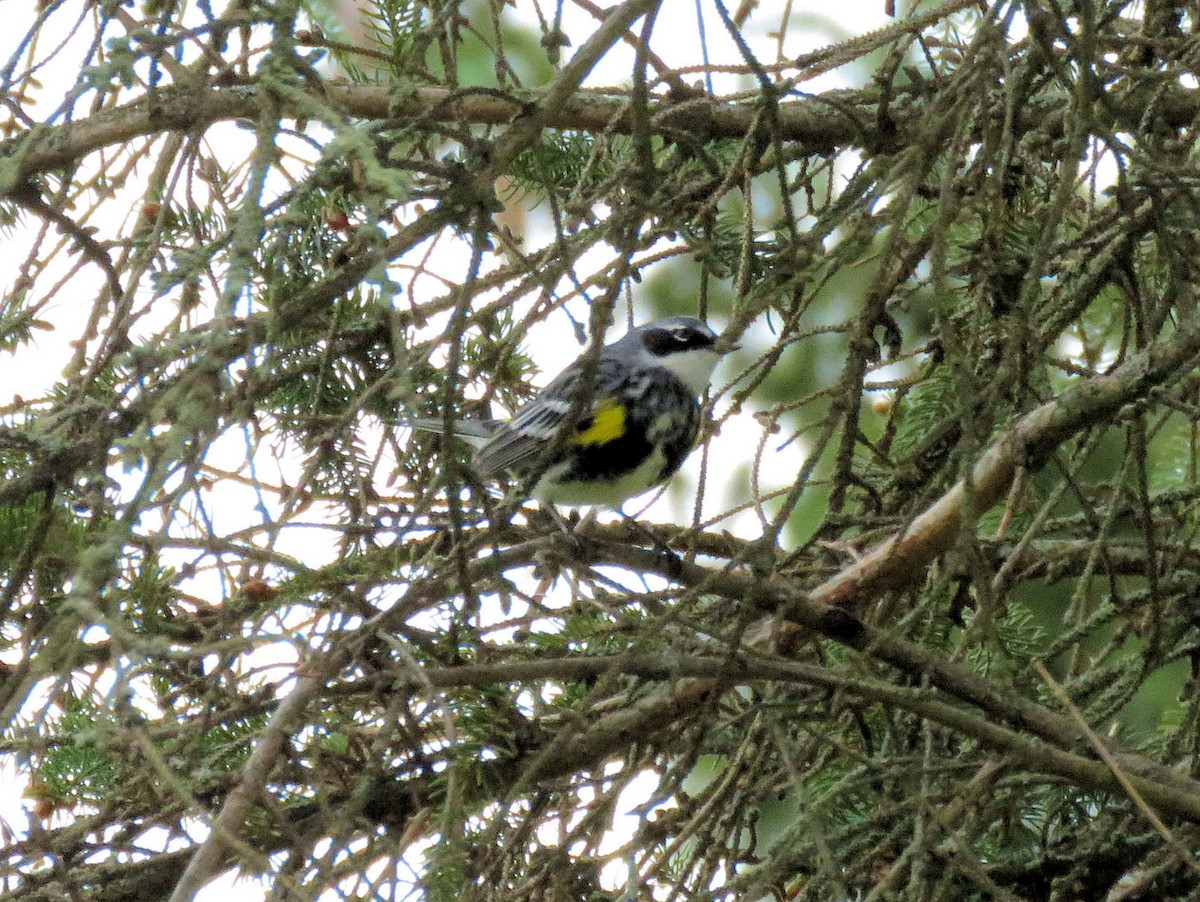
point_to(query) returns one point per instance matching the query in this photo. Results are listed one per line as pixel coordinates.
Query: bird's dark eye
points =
(661, 342)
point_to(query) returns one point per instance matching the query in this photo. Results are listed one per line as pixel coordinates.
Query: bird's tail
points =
(477, 432)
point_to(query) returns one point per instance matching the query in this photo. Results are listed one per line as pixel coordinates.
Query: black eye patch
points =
(661, 342)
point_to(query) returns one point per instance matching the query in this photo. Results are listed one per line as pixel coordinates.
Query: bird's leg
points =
(672, 562)
(572, 533)
(586, 521)
(555, 560)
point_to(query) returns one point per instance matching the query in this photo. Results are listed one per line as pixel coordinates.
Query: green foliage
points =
(17, 326)
(574, 159)
(224, 748)
(395, 26)
(42, 543)
(1013, 644)
(925, 411)
(81, 771)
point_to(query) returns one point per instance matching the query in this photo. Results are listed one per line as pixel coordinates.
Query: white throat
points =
(693, 368)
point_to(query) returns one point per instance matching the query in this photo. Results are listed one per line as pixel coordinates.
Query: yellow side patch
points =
(608, 424)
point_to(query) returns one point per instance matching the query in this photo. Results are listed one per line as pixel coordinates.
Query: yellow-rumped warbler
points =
(641, 423)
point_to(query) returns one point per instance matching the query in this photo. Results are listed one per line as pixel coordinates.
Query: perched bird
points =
(640, 423)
